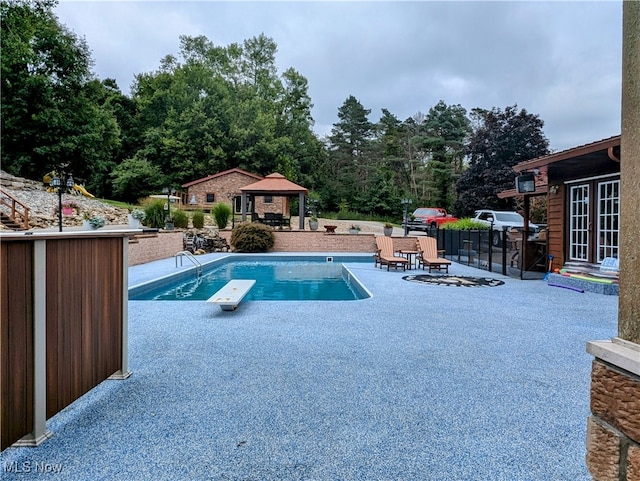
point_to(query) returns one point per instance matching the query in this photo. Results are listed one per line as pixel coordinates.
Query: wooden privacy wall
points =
(63, 327)
(84, 317)
(16, 341)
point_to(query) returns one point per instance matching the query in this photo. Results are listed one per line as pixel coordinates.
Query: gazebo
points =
(276, 185)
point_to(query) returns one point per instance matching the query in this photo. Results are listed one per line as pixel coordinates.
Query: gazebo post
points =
(301, 210)
(244, 206)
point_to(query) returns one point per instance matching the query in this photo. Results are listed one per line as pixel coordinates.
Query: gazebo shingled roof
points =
(275, 184)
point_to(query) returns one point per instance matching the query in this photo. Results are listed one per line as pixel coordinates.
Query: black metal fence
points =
(478, 248)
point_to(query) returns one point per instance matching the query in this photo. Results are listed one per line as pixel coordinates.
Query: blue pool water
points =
(310, 279)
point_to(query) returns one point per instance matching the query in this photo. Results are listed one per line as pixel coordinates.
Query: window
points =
(268, 199)
(211, 198)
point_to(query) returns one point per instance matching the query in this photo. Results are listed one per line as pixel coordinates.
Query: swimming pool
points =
(279, 278)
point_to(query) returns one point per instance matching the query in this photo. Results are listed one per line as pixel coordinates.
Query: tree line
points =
(213, 108)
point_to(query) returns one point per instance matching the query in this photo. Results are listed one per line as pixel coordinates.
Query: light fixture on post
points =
(168, 221)
(56, 183)
(405, 205)
(525, 183)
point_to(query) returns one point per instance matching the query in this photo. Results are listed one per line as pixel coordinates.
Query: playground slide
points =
(82, 190)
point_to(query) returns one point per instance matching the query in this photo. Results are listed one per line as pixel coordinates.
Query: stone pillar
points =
(613, 429)
(629, 310)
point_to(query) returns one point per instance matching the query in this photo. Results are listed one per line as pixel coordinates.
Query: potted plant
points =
(313, 222)
(68, 206)
(136, 217)
(96, 222)
(354, 229)
(388, 229)
(91, 222)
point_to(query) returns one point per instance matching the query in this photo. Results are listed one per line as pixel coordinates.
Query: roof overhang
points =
(576, 156)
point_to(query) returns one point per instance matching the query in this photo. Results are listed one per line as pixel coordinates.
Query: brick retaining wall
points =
(316, 241)
(163, 244)
(153, 246)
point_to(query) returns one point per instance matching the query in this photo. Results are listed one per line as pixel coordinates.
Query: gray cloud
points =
(558, 60)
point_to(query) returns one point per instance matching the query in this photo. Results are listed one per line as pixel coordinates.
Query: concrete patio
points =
(420, 382)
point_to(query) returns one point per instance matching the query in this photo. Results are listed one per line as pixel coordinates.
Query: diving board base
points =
(231, 294)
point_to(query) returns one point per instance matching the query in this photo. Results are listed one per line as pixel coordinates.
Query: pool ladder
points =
(193, 260)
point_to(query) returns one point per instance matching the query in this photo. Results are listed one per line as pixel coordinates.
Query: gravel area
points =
(420, 382)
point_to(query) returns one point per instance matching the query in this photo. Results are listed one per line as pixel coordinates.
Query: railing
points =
(479, 249)
(12, 203)
(193, 260)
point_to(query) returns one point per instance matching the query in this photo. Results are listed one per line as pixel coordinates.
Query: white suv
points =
(502, 219)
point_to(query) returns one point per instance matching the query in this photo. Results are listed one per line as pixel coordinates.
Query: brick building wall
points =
(227, 185)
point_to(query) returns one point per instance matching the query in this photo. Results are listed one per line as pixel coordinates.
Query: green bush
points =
(197, 219)
(221, 213)
(154, 213)
(180, 219)
(252, 237)
(466, 223)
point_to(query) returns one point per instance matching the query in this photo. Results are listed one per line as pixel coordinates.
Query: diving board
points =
(231, 294)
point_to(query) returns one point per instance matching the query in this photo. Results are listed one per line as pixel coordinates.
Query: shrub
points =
(197, 219)
(252, 237)
(97, 222)
(465, 224)
(221, 213)
(154, 213)
(138, 214)
(180, 219)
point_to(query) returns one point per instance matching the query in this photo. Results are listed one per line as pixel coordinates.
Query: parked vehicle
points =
(425, 217)
(501, 219)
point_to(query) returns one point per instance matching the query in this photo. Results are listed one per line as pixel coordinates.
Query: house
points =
(583, 201)
(225, 187)
(261, 195)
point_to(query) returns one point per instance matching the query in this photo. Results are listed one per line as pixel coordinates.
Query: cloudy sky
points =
(559, 60)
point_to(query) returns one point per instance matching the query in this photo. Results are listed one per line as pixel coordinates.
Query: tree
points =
(445, 130)
(136, 178)
(500, 139)
(51, 119)
(217, 108)
(349, 146)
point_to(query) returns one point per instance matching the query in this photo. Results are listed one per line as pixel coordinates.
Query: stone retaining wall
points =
(613, 429)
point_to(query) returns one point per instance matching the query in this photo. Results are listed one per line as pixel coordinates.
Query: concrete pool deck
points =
(419, 382)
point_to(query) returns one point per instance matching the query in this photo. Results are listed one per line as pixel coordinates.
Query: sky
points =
(558, 60)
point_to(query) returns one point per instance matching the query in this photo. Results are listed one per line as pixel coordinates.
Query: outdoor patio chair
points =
(386, 254)
(428, 255)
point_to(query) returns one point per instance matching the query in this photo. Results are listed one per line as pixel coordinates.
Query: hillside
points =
(43, 205)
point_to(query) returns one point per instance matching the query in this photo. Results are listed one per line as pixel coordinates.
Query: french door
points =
(597, 200)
